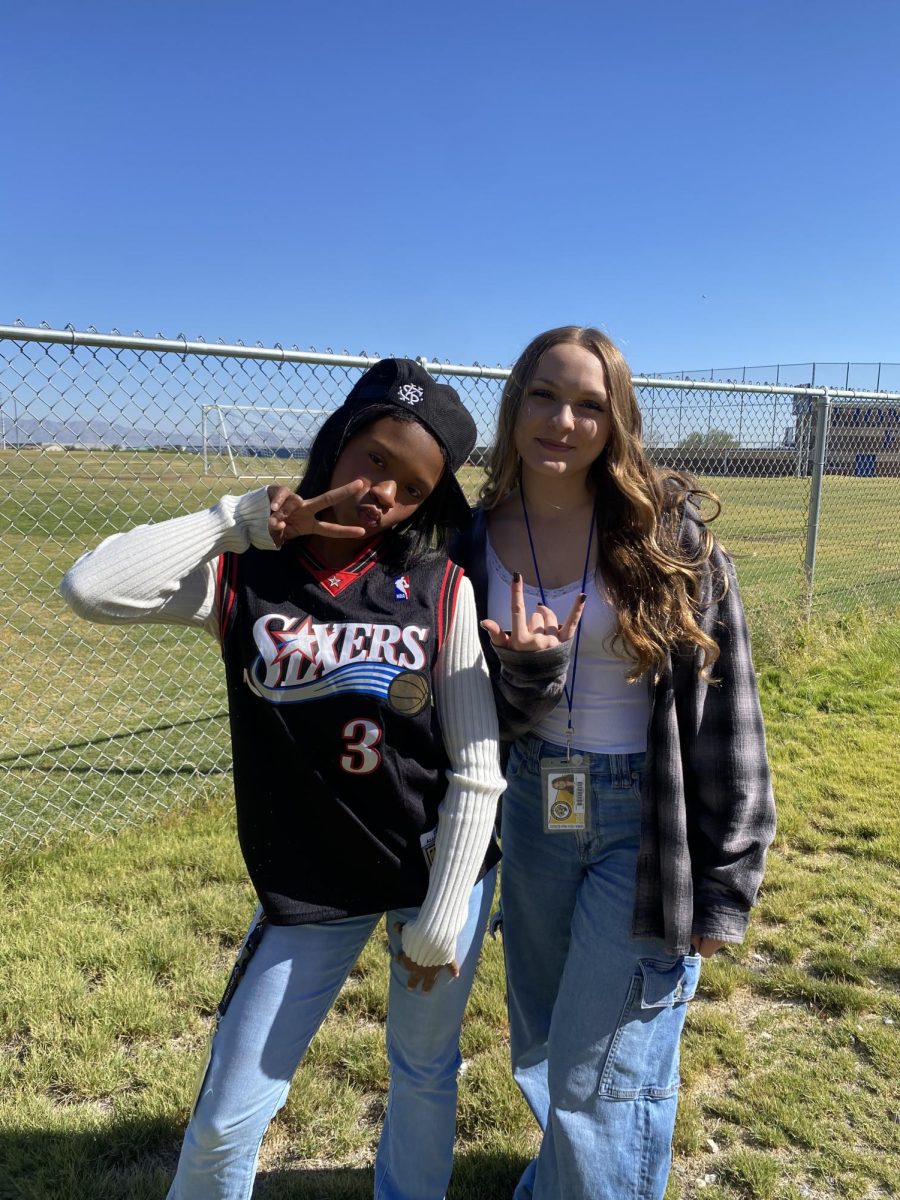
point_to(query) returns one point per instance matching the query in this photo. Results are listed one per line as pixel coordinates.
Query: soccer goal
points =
(250, 434)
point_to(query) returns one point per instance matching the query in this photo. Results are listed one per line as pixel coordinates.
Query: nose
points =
(385, 492)
(563, 416)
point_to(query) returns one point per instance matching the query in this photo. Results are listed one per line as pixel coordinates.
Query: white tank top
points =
(609, 715)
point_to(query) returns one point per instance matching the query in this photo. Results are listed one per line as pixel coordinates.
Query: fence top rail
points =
(277, 353)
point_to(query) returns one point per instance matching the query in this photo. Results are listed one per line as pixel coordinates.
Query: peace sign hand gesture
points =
(290, 516)
(542, 631)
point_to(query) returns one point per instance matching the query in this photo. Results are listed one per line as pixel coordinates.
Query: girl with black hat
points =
(365, 760)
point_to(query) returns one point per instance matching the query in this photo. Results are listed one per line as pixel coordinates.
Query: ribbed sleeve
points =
(165, 573)
(468, 721)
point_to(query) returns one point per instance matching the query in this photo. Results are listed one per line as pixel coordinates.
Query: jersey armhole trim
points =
(226, 593)
(453, 575)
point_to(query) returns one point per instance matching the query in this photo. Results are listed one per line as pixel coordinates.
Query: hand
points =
(427, 976)
(706, 947)
(291, 516)
(543, 630)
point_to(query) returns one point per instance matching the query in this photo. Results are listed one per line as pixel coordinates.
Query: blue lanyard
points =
(569, 691)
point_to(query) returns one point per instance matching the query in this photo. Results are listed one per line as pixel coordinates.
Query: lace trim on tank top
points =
(496, 567)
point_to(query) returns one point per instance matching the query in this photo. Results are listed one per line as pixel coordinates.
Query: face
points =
(564, 422)
(402, 465)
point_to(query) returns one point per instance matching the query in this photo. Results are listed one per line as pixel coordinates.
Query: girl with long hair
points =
(639, 808)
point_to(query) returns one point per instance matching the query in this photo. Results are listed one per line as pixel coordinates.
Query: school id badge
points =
(564, 787)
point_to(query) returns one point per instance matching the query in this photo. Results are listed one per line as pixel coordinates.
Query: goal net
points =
(245, 437)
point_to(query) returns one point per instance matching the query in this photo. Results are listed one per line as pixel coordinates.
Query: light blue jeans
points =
(284, 995)
(595, 1015)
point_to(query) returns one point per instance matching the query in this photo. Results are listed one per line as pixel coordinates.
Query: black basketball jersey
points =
(339, 763)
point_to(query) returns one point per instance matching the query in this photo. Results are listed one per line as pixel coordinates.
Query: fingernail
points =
(583, 597)
(517, 578)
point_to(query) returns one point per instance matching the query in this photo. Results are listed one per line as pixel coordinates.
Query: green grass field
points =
(115, 952)
(116, 949)
(104, 724)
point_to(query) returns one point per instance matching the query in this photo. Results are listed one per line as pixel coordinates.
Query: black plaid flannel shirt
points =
(707, 810)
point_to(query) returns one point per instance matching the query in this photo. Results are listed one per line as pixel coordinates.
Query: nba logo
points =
(401, 587)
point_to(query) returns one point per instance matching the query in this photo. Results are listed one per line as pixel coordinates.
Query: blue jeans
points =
(290, 983)
(595, 1015)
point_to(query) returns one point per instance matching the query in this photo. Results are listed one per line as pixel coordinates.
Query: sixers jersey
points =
(339, 763)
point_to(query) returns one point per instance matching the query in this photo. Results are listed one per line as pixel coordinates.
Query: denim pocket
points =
(643, 1057)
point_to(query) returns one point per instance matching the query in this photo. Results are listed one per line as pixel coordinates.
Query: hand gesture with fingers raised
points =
(290, 516)
(542, 631)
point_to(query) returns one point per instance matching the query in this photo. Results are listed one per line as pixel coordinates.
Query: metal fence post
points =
(823, 410)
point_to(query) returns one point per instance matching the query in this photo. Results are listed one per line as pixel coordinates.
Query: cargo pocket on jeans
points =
(643, 1058)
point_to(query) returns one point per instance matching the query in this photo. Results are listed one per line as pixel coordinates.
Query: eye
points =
(376, 458)
(415, 492)
(593, 405)
(541, 393)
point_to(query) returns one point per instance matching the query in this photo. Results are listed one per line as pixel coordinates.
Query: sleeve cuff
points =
(526, 667)
(722, 922)
(251, 512)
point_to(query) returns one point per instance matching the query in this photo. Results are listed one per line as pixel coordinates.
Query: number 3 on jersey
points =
(361, 737)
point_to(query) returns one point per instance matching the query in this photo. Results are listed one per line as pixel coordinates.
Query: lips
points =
(369, 515)
(556, 447)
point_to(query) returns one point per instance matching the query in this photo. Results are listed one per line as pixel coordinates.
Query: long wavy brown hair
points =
(653, 583)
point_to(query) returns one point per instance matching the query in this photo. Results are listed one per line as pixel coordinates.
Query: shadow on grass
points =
(135, 1160)
(26, 756)
(126, 1160)
(477, 1175)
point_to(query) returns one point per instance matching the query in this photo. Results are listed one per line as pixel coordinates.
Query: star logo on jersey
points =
(410, 393)
(335, 583)
(401, 587)
(299, 640)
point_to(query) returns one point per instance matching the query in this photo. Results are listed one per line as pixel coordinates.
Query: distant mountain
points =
(76, 431)
(84, 432)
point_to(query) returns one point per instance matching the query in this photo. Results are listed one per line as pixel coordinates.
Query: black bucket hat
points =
(406, 384)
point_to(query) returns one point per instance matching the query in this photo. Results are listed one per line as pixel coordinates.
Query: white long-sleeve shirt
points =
(165, 573)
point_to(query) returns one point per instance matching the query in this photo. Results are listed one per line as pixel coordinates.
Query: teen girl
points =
(611, 899)
(366, 774)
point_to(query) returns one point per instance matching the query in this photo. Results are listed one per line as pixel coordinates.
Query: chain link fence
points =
(100, 432)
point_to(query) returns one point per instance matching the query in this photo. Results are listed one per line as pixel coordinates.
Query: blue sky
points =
(713, 183)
